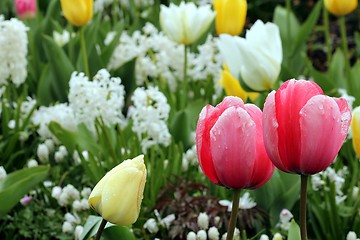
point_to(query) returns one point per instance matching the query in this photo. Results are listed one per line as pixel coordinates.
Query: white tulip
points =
(255, 59)
(185, 23)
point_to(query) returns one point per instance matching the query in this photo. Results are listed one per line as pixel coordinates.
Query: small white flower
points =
(168, 220)
(70, 218)
(12, 124)
(203, 221)
(191, 236)
(3, 173)
(355, 192)
(61, 39)
(85, 193)
(78, 231)
(245, 202)
(151, 225)
(277, 236)
(264, 237)
(50, 144)
(56, 192)
(201, 235)
(43, 153)
(351, 236)
(32, 163)
(67, 227)
(213, 233)
(285, 218)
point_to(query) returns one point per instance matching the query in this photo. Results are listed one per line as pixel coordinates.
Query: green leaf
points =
(111, 231)
(44, 93)
(60, 66)
(294, 231)
(306, 29)
(180, 128)
(17, 184)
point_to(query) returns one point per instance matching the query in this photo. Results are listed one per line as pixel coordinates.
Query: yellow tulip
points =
(340, 7)
(230, 16)
(77, 12)
(232, 86)
(355, 129)
(117, 196)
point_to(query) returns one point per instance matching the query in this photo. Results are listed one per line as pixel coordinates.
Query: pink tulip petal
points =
(321, 134)
(270, 126)
(232, 140)
(207, 119)
(263, 167)
(345, 116)
(289, 100)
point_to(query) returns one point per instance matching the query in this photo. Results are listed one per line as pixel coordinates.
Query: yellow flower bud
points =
(230, 16)
(77, 12)
(355, 129)
(232, 86)
(340, 7)
(117, 196)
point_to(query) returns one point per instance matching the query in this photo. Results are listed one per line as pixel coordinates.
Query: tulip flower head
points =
(117, 196)
(256, 59)
(303, 128)
(340, 7)
(230, 16)
(355, 129)
(185, 23)
(25, 9)
(229, 144)
(77, 12)
(232, 86)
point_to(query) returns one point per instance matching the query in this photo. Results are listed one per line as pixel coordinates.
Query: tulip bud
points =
(340, 7)
(117, 196)
(355, 129)
(303, 128)
(230, 16)
(25, 9)
(77, 12)
(185, 23)
(232, 86)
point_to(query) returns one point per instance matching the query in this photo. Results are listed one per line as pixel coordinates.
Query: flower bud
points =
(26, 9)
(230, 16)
(77, 12)
(117, 196)
(340, 7)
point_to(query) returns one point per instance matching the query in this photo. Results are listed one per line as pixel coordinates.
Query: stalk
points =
(233, 218)
(303, 230)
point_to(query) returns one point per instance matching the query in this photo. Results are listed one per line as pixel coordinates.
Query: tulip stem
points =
(234, 212)
(343, 37)
(101, 229)
(327, 35)
(303, 230)
(184, 83)
(83, 51)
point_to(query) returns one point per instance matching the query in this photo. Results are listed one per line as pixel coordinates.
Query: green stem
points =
(184, 83)
(101, 229)
(83, 51)
(343, 37)
(303, 230)
(234, 212)
(288, 11)
(327, 35)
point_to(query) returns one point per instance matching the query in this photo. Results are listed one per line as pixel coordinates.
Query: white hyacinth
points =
(150, 112)
(13, 51)
(60, 113)
(101, 98)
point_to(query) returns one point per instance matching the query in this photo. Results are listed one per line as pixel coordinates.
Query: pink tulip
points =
(229, 143)
(25, 8)
(303, 128)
